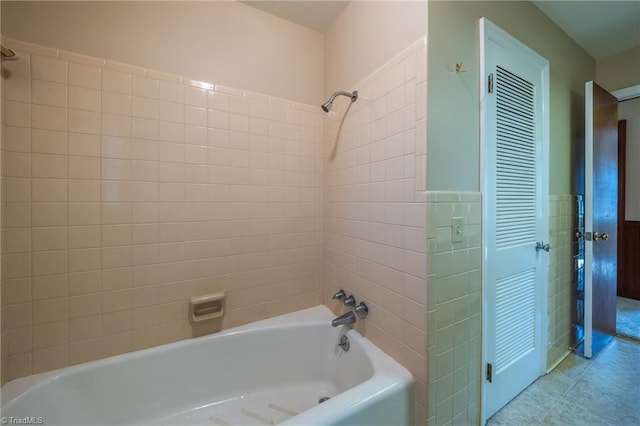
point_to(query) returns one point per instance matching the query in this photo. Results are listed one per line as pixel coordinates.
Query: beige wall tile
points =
(115, 191)
(83, 191)
(49, 262)
(84, 168)
(18, 114)
(19, 366)
(145, 87)
(50, 358)
(48, 118)
(50, 287)
(16, 291)
(115, 279)
(144, 149)
(116, 81)
(16, 139)
(17, 190)
(116, 322)
(17, 316)
(17, 89)
(51, 310)
(114, 301)
(84, 99)
(85, 328)
(85, 351)
(115, 125)
(84, 282)
(116, 235)
(19, 341)
(84, 76)
(86, 259)
(115, 103)
(83, 237)
(143, 128)
(17, 240)
(18, 215)
(115, 147)
(117, 173)
(49, 238)
(145, 338)
(115, 213)
(48, 69)
(115, 344)
(48, 93)
(84, 145)
(48, 190)
(84, 214)
(51, 334)
(116, 257)
(84, 306)
(375, 237)
(47, 214)
(17, 164)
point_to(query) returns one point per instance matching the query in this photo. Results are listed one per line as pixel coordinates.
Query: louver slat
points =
(515, 162)
(515, 326)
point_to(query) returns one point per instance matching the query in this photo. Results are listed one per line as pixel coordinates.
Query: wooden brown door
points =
(601, 217)
(628, 231)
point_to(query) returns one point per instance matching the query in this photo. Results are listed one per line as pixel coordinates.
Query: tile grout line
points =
(573, 385)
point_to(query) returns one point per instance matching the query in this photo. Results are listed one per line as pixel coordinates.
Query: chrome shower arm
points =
(353, 95)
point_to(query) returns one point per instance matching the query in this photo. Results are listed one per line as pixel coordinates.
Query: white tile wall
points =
(128, 190)
(375, 211)
(561, 276)
(454, 309)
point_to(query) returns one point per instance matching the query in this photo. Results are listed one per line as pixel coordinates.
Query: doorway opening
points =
(628, 285)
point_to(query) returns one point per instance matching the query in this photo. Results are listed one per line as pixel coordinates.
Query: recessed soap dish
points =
(206, 307)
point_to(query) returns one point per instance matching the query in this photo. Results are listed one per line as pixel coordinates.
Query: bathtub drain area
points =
(269, 406)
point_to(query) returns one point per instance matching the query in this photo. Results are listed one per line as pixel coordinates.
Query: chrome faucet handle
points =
(349, 301)
(340, 295)
(362, 310)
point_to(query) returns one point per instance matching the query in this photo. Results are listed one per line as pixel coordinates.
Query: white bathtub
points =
(269, 372)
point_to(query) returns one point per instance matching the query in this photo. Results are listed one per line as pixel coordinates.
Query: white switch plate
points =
(457, 229)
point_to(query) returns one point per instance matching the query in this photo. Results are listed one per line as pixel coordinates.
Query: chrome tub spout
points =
(348, 318)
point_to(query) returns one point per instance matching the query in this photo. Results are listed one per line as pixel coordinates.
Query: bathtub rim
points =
(386, 375)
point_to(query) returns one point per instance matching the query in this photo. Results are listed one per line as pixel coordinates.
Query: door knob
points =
(542, 246)
(598, 236)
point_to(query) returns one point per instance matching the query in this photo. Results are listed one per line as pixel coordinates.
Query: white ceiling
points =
(316, 15)
(601, 27)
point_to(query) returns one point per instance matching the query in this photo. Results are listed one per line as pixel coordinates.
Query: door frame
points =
(627, 93)
(489, 31)
(623, 94)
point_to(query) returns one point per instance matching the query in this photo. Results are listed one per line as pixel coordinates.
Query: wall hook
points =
(458, 68)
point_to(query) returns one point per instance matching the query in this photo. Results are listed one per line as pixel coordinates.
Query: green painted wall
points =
(453, 154)
(620, 70)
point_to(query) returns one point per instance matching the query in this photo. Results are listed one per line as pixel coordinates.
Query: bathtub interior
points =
(247, 376)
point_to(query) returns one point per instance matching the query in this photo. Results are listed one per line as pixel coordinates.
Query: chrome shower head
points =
(6, 53)
(326, 107)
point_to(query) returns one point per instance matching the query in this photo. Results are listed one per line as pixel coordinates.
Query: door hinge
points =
(489, 372)
(490, 83)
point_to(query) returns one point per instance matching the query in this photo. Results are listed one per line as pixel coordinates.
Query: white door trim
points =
(489, 31)
(627, 93)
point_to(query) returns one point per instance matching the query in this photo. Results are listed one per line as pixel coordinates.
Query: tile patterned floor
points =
(628, 319)
(602, 391)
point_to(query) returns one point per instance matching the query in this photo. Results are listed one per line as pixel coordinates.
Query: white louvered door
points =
(514, 188)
